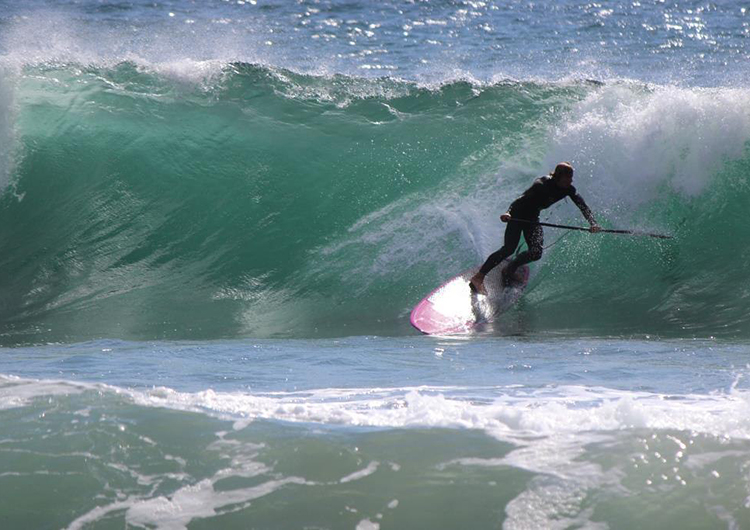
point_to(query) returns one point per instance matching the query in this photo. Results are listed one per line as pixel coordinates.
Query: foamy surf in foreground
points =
(558, 455)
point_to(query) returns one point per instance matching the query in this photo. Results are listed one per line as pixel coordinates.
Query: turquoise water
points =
(216, 218)
(264, 203)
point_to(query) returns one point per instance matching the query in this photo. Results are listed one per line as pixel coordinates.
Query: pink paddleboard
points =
(453, 308)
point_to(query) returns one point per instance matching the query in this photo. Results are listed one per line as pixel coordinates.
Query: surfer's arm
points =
(585, 210)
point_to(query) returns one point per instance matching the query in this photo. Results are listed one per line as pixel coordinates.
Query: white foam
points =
(513, 415)
(362, 473)
(628, 141)
(366, 524)
(198, 500)
(510, 413)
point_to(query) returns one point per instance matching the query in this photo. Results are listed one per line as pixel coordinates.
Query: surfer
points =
(543, 193)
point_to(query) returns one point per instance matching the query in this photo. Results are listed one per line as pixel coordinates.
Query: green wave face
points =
(259, 202)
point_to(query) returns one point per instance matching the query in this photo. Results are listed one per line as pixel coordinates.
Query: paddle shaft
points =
(567, 227)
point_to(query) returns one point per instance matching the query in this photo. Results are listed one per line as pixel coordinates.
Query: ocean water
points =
(215, 218)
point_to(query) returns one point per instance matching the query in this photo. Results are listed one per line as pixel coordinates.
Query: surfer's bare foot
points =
(477, 283)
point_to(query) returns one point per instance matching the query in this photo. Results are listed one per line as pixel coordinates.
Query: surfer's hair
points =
(563, 169)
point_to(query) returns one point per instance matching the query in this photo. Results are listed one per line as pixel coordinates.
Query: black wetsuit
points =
(542, 194)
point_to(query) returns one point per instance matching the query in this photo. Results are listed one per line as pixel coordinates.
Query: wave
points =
(243, 200)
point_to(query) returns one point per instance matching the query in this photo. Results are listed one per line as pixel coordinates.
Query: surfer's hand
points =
(595, 228)
(505, 217)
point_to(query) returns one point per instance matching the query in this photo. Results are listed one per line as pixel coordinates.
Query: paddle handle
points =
(580, 228)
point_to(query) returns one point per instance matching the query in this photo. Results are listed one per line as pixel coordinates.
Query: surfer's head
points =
(563, 174)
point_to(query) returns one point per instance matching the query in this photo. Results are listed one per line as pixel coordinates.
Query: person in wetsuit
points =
(543, 193)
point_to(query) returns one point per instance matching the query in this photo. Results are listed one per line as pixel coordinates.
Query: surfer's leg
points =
(534, 236)
(512, 237)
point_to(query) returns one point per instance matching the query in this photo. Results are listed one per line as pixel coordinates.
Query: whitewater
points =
(216, 217)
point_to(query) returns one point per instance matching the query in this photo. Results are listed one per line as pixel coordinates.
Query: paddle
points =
(630, 232)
